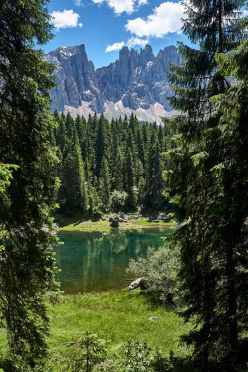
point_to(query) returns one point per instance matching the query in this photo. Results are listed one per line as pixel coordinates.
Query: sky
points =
(105, 26)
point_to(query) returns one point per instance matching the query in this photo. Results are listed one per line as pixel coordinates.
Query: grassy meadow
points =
(103, 226)
(114, 316)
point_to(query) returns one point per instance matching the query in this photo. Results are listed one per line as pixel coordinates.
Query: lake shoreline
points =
(90, 261)
(103, 226)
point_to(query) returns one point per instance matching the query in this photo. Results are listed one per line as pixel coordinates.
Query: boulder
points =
(123, 217)
(163, 217)
(114, 222)
(153, 318)
(138, 283)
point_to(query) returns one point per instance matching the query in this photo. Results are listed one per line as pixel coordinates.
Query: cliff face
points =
(75, 78)
(136, 81)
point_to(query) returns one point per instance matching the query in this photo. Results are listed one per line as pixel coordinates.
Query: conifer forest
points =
(109, 166)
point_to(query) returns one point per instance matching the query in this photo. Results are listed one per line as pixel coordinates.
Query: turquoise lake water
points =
(98, 262)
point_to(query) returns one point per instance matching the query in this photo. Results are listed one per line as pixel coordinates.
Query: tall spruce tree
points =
(73, 193)
(209, 236)
(129, 182)
(101, 144)
(232, 176)
(26, 264)
(104, 187)
(154, 180)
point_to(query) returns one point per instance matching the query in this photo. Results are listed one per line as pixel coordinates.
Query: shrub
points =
(87, 353)
(159, 270)
(96, 214)
(138, 357)
(118, 200)
(108, 365)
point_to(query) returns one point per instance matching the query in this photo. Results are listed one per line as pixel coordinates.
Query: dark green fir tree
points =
(27, 263)
(205, 201)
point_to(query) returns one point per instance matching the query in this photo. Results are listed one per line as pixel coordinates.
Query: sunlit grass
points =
(115, 316)
(103, 226)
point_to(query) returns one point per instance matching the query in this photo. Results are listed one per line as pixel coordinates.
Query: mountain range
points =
(136, 82)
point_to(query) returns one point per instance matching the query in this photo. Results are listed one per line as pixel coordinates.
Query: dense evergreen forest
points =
(109, 166)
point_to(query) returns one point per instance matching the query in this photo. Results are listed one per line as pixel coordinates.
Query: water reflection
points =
(96, 261)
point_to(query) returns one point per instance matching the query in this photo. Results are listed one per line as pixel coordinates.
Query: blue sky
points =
(104, 26)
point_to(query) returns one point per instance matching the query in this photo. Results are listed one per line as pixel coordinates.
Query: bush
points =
(118, 200)
(159, 269)
(87, 353)
(96, 214)
(138, 357)
(108, 365)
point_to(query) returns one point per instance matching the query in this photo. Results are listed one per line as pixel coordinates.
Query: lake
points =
(98, 262)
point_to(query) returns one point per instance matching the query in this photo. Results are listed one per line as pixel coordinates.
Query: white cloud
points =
(65, 19)
(132, 42)
(114, 47)
(165, 18)
(121, 6)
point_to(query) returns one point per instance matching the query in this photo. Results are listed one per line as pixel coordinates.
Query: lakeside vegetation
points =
(104, 227)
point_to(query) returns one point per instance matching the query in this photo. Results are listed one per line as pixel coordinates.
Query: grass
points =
(115, 316)
(103, 226)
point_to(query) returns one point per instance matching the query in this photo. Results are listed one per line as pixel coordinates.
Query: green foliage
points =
(6, 176)
(104, 190)
(87, 353)
(205, 180)
(159, 270)
(30, 187)
(154, 180)
(118, 200)
(73, 194)
(108, 365)
(101, 158)
(138, 357)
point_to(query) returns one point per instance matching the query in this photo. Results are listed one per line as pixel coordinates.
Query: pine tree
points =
(89, 152)
(231, 175)
(117, 180)
(100, 145)
(104, 190)
(73, 193)
(205, 239)
(129, 182)
(26, 267)
(154, 179)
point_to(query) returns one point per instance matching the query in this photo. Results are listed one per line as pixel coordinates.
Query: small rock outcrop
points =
(114, 222)
(138, 283)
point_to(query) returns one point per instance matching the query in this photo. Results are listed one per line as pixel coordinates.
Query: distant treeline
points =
(109, 166)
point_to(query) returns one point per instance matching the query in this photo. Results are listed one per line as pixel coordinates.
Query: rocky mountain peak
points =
(146, 54)
(69, 52)
(137, 80)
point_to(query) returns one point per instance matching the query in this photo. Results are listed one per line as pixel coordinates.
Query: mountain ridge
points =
(135, 82)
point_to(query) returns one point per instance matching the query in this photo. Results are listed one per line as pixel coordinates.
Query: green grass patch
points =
(103, 226)
(115, 316)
